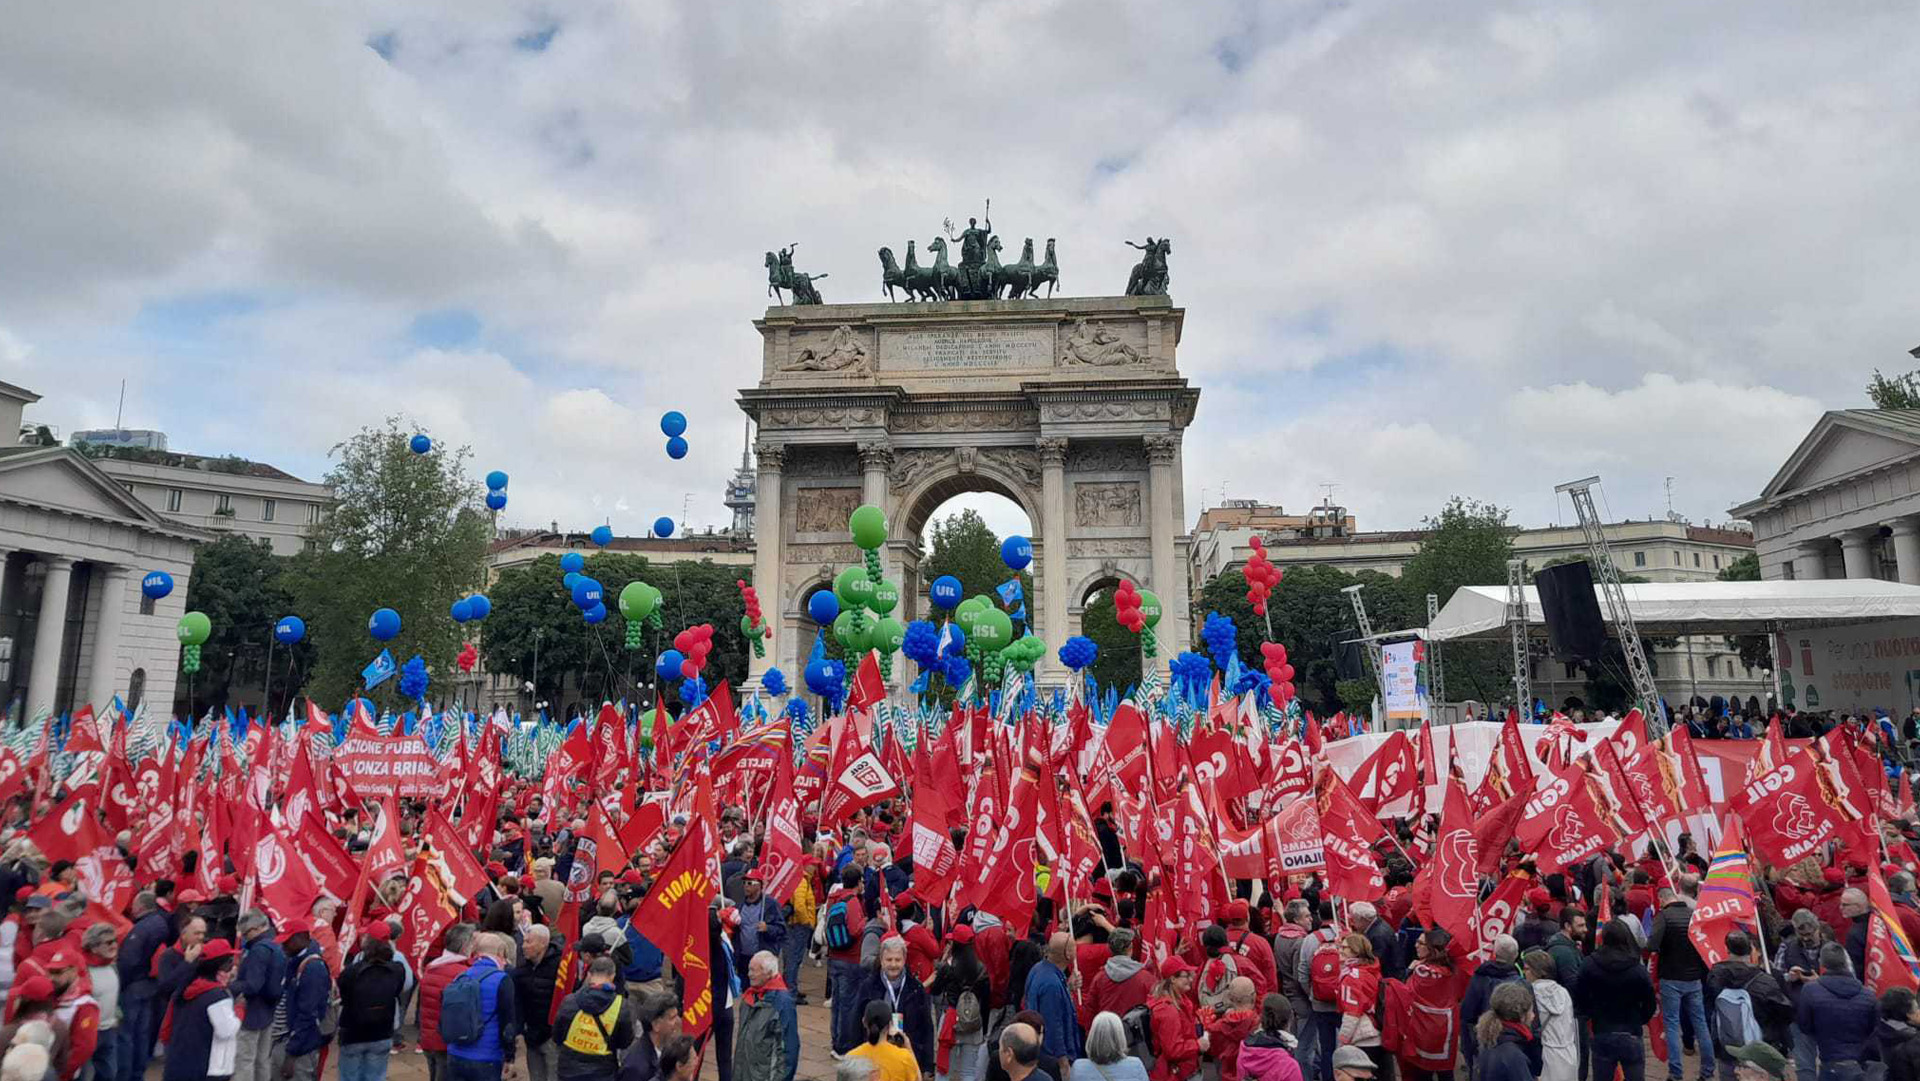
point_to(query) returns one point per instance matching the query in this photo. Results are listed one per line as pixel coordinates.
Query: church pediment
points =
(61, 479)
(1842, 445)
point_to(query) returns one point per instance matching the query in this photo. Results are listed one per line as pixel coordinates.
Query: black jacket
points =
(1534, 931)
(643, 1060)
(1614, 992)
(1771, 1007)
(1488, 976)
(1668, 942)
(915, 1009)
(585, 1006)
(151, 933)
(1506, 1060)
(533, 984)
(1841, 1015)
(369, 996)
(1899, 1049)
(1857, 943)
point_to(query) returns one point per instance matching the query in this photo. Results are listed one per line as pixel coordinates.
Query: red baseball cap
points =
(381, 930)
(228, 884)
(295, 927)
(1539, 898)
(1834, 876)
(960, 935)
(1174, 966)
(189, 896)
(20, 895)
(34, 989)
(1235, 910)
(906, 900)
(496, 869)
(216, 948)
(60, 954)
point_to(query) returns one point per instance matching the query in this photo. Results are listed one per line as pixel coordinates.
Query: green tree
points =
(404, 532)
(579, 663)
(238, 582)
(1900, 392)
(1467, 544)
(966, 548)
(1753, 649)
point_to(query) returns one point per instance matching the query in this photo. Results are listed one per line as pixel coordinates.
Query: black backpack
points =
(1138, 1024)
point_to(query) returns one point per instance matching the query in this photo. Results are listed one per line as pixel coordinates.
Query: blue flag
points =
(381, 670)
(1009, 591)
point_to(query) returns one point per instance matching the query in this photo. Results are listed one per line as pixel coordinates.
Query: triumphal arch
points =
(1074, 408)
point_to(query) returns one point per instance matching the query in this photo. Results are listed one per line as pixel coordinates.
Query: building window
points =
(313, 513)
(223, 504)
(1676, 559)
(1786, 570)
(1573, 670)
(146, 604)
(1716, 562)
(1713, 668)
(1696, 555)
(173, 500)
(267, 508)
(1639, 559)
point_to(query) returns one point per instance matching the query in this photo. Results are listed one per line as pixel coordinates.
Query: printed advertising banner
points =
(1852, 669)
(398, 765)
(1404, 668)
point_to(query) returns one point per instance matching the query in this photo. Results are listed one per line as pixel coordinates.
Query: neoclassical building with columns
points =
(75, 627)
(1847, 502)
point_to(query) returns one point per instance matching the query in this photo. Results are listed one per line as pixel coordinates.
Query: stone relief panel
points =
(824, 510)
(1106, 503)
(831, 416)
(965, 420)
(842, 351)
(829, 461)
(912, 464)
(1110, 410)
(833, 554)
(1091, 343)
(1108, 456)
(1022, 463)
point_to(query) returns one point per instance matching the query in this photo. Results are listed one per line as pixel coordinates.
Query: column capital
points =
(1905, 527)
(55, 563)
(1161, 449)
(1860, 536)
(876, 454)
(1053, 451)
(770, 457)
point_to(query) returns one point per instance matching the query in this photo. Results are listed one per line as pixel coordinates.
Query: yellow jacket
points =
(803, 904)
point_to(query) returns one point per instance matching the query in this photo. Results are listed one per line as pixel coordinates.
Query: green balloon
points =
(749, 631)
(868, 524)
(887, 634)
(637, 600)
(993, 630)
(852, 636)
(194, 629)
(886, 596)
(967, 614)
(1149, 607)
(854, 588)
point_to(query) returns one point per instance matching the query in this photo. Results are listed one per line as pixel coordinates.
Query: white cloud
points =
(1476, 249)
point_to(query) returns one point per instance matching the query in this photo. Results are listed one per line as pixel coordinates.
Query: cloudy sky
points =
(1424, 248)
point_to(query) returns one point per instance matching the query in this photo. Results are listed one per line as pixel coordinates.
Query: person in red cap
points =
(1175, 1046)
(74, 1005)
(34, 999)
(1120, 984)
(1257, 951)
(370, 989)
(1540, 924)
(202, 1030)
(923, 950)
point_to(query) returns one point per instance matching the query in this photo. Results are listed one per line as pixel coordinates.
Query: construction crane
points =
(1517, 633)
(1437, 692)
(1580, 493)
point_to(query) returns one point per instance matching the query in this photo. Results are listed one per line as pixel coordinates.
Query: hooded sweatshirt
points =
(1614, 992)
(1559, 1035)
(1224, 1035)
(1120, 985)
(1268, 1056)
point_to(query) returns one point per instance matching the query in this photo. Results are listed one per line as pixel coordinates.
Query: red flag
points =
(1890, 956)
(384, 857)
(1348, 831)
(464, 873)
(1563, 823)
(1492, 829)
(1513, 751)
(867, 686)
(1499, 914)
(675, 914)
(13, 778)
(1453, 874)
(1389, 774)
(72, 832)
(858, 779)
(282, 884)
(780, 856)
(643, 824)
(714, 718)
(1726, 897)
(428, 907)
(333, 868)
(1006, 886)
(1794, 809)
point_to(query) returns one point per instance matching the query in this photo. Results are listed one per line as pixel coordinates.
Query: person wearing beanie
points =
(202, 1030)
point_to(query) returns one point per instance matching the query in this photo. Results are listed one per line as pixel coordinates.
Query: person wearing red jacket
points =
(74, 1006)
(1421, 1012)
(1176, 1048)
(434, 978)
(1359, 996)
(1225, 1029)
(995, 950)
(1118, 985)
(1257, 951)
(923, 950)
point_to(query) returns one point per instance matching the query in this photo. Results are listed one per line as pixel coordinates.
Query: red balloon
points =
(683, 642)
(688, 669)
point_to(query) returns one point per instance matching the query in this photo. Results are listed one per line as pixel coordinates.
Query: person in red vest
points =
(1257, 950)
(1421, 1010)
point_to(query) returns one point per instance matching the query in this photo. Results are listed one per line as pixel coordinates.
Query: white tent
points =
(1672, 608)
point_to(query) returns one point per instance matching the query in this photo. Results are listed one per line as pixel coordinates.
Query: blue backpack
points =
(463, 1012)
(838, 935)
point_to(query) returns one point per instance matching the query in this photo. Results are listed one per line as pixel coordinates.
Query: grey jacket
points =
(767, 1045)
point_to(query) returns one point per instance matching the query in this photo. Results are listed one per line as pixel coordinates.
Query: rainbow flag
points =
(1726, 896)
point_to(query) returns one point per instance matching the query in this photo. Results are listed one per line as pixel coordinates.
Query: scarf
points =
(752, 995)
(1525, 1033)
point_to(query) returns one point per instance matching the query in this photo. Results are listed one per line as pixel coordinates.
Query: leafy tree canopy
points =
(1900, 392)
(239, 583)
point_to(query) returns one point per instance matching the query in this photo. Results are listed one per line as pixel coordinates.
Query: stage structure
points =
(1074, 408)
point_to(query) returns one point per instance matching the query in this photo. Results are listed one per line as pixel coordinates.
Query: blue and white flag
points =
(1010, 591)
(381, 670)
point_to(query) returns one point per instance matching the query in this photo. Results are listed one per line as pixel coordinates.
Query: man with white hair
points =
(1502, 968)
(905, 996)
(767, 1037)
(1365, 918)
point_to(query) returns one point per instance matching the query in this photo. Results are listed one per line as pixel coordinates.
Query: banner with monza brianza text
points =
(1852, 669)
(398, 765)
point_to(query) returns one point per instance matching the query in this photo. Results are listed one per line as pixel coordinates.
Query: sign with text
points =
(1403, 676)
(1852, 669)
(397, 765)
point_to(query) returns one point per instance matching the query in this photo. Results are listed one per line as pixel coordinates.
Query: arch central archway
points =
(1073, 409)
(938, 500)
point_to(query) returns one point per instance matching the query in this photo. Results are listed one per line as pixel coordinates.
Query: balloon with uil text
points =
(289, 630)
(156, 584)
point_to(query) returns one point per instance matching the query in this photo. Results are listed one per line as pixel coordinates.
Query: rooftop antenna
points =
(686, 502)
(120, 414)
(1330, 487)
(746, 442)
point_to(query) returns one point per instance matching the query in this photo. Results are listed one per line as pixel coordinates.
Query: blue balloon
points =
(156, 584)
(667, 668)
(572, 562)
(420, 444)
(496, 501)
(663, 526)
(568, 579)
(460, 610)
(1016, 552)
(601, 535)
(945, 592)
(497, 480)
(595, 614)
(384, 624)
(673, 422)
(823, 607)
(586, 593)
(479, 607)
(676, 448)
(289, 630)
(819, 676)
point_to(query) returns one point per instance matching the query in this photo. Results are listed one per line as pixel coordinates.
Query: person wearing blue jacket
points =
(257, 985)
(304, 996)
(1840, 1013)
(1048, 996)
(140, 1013)
(485, 1058)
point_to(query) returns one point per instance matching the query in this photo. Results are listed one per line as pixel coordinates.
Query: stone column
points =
(768, 534)
(1906, 549)
(104, 680)
(1859, 557)
(1052, 583)
(1810, 562)
(43, 678)
(1162, 450)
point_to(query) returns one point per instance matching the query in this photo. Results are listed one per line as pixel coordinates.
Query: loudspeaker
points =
(1347, 662)
(1574, 627)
